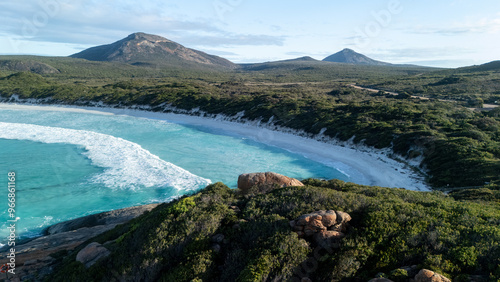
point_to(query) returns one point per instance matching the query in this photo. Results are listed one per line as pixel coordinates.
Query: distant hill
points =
(301, 59)
(143, 49)
(348, 56)
(282, 64)
(491, 66)
(27, 66)
(310, 69)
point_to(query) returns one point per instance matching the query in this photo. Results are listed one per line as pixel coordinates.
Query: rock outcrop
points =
(423, 275)
(106, 218)
(325, 227)
(33, 257)
(264, 182)
(91, 254)
(426, 275)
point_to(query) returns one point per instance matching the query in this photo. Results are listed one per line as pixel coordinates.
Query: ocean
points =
(70, 164)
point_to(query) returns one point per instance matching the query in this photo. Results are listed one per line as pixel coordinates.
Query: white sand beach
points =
(374, 166)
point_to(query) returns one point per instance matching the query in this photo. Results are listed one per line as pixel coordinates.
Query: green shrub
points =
(399, 275)
(390, 228)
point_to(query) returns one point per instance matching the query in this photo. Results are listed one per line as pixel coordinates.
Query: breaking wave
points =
(126, 164)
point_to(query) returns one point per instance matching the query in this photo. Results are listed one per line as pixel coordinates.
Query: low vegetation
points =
(455, 235)
(471, 86)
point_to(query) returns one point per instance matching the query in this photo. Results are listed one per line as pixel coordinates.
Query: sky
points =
(444, 33)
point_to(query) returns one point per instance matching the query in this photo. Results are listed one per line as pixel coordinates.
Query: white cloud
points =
(484, 25)
(425, 52)
(234, 40)
(101, 22)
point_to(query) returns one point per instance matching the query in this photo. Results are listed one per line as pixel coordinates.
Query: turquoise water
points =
(71, 164)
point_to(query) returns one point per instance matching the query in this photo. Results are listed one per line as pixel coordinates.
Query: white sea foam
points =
(127, 164)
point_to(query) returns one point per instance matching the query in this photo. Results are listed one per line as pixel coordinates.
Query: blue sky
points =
(447, 33)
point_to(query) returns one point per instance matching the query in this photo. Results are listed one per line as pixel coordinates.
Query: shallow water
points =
(70, 164)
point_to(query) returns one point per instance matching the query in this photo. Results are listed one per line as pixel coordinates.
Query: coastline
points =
(377, 166)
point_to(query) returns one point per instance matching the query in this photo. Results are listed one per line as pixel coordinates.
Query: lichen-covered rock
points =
(264, 181)
(326, 227)
(91, 254)
(303, 219)
(309, 231)
(316, 221)
(106, 218)
(343, 217)
(426, 275)
(328, 238)
(328, 235)
(329, 218)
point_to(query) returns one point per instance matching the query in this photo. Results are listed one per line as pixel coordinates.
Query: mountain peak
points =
(349, 56)
(304, 59)
(141, 47)
(145, 36)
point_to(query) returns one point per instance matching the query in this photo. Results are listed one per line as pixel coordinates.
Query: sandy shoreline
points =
(374, 165)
